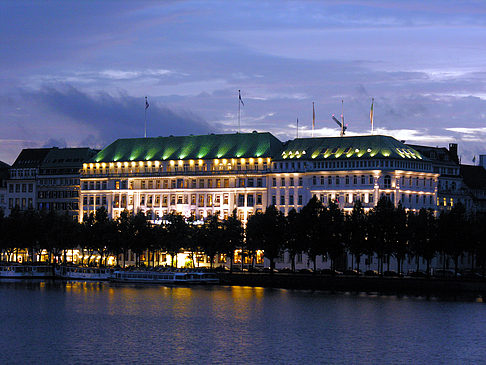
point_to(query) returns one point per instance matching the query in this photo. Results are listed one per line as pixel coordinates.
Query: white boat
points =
(17, 271)
(163, 277)
(82, 273)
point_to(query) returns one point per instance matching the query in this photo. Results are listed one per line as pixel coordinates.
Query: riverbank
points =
(391, 285)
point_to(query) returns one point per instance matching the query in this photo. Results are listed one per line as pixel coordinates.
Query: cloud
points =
(53, 142)
(115, 116)
(465, 130)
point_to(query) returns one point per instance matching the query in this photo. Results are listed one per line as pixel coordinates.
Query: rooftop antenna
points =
(297, 127)
(340, 123)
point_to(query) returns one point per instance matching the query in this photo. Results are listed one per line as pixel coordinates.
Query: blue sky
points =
(76, 73)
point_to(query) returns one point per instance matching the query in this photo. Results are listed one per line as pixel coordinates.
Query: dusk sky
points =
(76, 73)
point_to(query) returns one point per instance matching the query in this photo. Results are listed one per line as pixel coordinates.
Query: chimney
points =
(453, 152)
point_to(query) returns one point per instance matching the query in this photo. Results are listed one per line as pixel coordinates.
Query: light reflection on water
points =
(90, 322)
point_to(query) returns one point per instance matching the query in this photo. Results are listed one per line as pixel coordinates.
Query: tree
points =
(268, 230)
(175, 235)
(314, 224)
(356, 229)
(453, 228)
(335, 247)
(233, 234)
(293, 233)
(381, 219)
(400, 236)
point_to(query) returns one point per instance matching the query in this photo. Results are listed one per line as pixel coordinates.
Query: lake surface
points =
(78, 323)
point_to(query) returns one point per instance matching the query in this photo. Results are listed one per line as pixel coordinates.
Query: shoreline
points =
(389, 285)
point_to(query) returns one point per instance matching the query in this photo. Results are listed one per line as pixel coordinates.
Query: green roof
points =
(211, 146)
(370, 146)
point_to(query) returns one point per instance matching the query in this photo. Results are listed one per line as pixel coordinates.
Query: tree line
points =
(383, 232)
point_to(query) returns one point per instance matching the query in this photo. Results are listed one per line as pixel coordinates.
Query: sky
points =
(76, 73)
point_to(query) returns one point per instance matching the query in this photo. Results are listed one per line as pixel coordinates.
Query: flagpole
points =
(239, 107)
(371, 114)
(297, 127)
(342, 117)
(145, 130)
(313, 119)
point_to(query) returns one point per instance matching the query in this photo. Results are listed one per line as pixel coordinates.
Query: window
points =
(314, 180)
(363, 179)
(201, 200)
(337, 180)
(226, 199)
(250, 200)
(370, 179)
(291, 199)
(282, 199)
(259, 182)
(250, 182)
(259, 199)
(274, 200)
(201, 183)
(241, 183)
(371, 198)
(322, 180)
(282, 181)
(241, 200)
(300, 200)
(291, 181)
(347, 180)
(329, 180)
(387, 182)
(274, 181)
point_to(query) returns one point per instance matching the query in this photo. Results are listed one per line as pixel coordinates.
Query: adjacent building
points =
(214, 174)
(22, 183)
(58, 180)
(3, 186)
(450, 187)
(47, 178)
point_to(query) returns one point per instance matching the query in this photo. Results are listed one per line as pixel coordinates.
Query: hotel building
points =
(214, 174)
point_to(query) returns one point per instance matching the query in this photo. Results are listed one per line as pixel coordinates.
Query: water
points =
(79, 323)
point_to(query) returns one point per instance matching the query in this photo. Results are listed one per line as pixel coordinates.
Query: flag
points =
(146, 103)
(239, 97)
(313, 117)
(474, 159)
(371, 113)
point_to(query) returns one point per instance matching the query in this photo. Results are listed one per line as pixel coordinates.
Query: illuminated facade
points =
(214, 174)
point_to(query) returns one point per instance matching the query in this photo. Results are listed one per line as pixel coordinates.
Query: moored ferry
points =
(18, 271)
(164, 277)
(82, 273)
